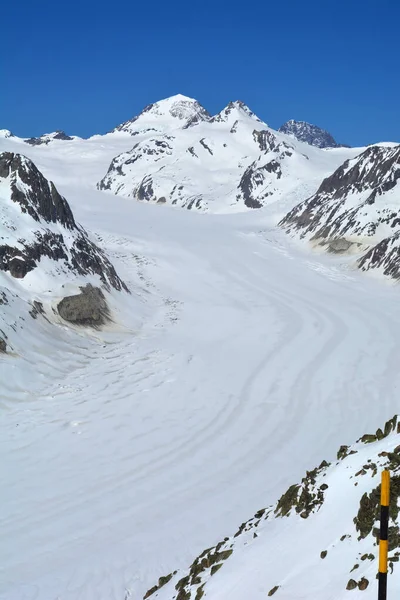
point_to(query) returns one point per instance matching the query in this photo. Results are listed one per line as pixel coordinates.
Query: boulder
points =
(340, 245)
(87, 308)
(18, 267)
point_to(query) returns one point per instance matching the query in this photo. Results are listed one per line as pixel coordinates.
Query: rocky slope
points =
(311, 134)
(231, 161)
(324, 527)
(357, 204)
(41, 245)
(37, 223)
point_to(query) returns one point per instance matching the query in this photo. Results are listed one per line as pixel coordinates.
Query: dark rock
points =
(266, 140)
(150, 592)
(61, 135)
(379, 434)
(3, 346)
(287, 501)
(368, 438)
(215, 568)
(339, 246)
(87, 308)
(273, 590)
(324, 553)
(37, 309)
(351, 584)
(200, 593)
(363, 584)
(342, 452)
(18, 267)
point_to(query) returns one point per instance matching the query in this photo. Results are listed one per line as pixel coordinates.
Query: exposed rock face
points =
(311, 134)
(384, 256)
(3, 346)
(260, 179)
(87, 308)
(36, 196)
(48, 228)
(359, 199)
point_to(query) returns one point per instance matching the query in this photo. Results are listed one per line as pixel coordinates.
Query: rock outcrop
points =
(87, 308)
(311, 134)
(43, 226)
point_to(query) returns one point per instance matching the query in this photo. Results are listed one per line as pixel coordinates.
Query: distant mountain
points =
(311, 134)
(231, 161)
(176, 111)
(46, 138)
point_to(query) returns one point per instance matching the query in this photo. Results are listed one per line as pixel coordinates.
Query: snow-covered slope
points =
(311, 134)
(173, 112)
(319, 540)
(359, 203)
(229, 162)
(42, 248)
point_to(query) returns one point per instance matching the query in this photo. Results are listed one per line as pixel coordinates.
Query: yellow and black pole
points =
(383, 536)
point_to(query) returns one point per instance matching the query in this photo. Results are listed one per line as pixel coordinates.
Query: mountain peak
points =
(234, 108)
(175, 111)
(311, 134)
(6, 133)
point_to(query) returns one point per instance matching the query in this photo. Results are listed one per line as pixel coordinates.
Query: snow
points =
(239, 361)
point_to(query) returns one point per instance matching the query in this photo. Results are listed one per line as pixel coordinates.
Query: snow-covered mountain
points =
(176, 111)
(358, 204)
(311, 134)
(41, 245)
(326, 525)
(37, 223)
(46, 138)
(238, 361)
(231, 161)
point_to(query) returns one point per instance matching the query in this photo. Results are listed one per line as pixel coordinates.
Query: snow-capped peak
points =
(234, 110)
(311, 134)
(6, 133)
(175, 111)
(46, 138)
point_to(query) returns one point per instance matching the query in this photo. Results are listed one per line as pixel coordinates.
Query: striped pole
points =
(383, 536)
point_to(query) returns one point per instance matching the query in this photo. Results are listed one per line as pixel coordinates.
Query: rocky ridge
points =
(37, 223)
(311, 134)
(358, 204)
(353, 549)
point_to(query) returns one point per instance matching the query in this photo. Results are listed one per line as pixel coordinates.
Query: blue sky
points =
(86, 66)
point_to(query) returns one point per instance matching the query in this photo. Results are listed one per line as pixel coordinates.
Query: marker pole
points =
(383, 535)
